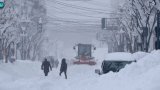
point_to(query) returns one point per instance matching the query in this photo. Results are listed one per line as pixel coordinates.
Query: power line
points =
(73, 31)
(82, 8)
(61, 29)
(74, 13)
(79, 7)
(76, 29)
(80, 24)
(85, 26)
(97, 3)
(64, 24)
(70, 21)
(80, 20)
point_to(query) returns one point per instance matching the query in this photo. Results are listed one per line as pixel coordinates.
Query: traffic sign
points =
(103, 21)
(110, 24)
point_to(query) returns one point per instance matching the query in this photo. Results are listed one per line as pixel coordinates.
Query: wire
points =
(74, 13)
(80, 24)
(73, 31)
(70, 21)
(75, 28)
(97, 3)
(80, 20)
(85, 26)
(81, 7)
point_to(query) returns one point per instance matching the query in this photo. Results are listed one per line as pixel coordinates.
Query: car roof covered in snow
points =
(119, 56)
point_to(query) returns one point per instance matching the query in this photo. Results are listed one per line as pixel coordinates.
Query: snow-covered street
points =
(87, 44)
(27, 75)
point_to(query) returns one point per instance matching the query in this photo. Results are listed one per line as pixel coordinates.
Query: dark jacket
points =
(46, 65)
(63, 66)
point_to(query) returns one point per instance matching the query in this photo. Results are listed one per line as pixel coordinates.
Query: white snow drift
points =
(26, 75)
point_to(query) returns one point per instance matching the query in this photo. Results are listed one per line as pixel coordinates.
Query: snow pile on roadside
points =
(101, 54)
(26, 75)
(21, 75)
(143, 75)
(146, 63)
(139, 55)
(19, 69)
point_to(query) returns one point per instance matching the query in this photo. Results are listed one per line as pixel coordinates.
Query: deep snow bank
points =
(139, 55)
(26, 75)
(143, 75)
(19, 69)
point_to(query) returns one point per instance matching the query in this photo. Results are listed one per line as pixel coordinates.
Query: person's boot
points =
(46, 74)
(65, 76)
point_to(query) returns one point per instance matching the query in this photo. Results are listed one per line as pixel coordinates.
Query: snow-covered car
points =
(116, 61)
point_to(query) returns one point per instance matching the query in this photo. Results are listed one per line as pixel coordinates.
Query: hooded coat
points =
(46, 65)
(63, 66)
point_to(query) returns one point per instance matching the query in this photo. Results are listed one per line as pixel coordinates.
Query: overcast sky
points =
(77, 21)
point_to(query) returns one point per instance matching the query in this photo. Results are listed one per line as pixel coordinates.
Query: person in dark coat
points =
(63, 68)
(45, 67)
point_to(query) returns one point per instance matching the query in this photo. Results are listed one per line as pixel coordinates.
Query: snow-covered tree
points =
(8, 27)
(33, 21)
(22, 25)
(157, 2)
(138, 20)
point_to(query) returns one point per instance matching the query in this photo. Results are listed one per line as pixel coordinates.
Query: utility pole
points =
(157, 30)
(23, 42)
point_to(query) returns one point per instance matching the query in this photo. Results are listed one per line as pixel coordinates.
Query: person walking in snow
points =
(63, 68)
(45, 67)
